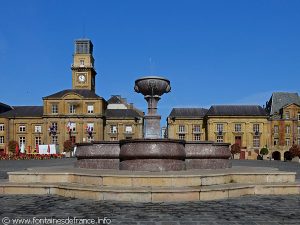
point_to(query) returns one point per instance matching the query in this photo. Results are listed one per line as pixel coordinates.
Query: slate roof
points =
(121, 113)
(4, 107)
(281, 99)
(116, 99)
(83, 92)
(24, 111)
(188, 112)
(236, 110)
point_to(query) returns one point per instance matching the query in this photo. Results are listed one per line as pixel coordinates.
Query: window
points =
(71, 126)
(220, 127)
(113, 129)
(276, 129)
(238, 127)
(38, 129)
(181, 136)
(22, 128)
(54, 109)
(54, 140)
(220, 139)
(276, 141)
(298, 129)
(197, 129)
(288, 129)
(181, 129)
(1, 139)
(90, 127)
(90, 138)
(287, 115)
(256, 128)
(1, 127)
(38, 141)
(197, 137)
(72, 109)
(81, 62)
(128, 129)
(287, 142)
(22, 141)
(90, 109)
(54, 126)
(298, 116)
(298, 141)
(256, 141)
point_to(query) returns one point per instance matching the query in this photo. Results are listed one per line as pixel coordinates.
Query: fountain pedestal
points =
(152, 126)
(152, 153)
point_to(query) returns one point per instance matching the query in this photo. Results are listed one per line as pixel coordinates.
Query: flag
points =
(69, 126)
(17, 149)
(22, 148)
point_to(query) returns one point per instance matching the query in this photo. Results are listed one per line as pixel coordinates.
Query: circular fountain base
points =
(207, 155)
(152, 155)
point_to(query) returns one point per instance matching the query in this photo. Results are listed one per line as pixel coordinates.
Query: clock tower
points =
(83, 71)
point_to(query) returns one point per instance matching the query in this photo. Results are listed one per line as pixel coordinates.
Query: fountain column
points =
(152, 153)
(152, 88)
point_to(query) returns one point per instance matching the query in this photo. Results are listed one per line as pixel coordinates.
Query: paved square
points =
(245, 210)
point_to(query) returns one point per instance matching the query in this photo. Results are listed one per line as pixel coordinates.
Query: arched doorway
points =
(276, 155)
(287, 156)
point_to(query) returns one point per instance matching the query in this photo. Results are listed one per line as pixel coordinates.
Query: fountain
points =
(152, 153)
(151, 169)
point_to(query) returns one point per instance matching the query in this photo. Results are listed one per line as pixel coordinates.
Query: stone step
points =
(150, 194)
(152, 179)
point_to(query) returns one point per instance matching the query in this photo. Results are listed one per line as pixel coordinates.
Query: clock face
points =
(82, 78)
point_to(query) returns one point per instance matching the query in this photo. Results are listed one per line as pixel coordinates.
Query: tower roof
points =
(281, 99)
(85, 93)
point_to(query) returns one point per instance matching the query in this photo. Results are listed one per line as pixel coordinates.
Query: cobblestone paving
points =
(248, 210)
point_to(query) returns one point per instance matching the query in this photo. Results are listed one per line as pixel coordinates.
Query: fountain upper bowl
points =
(152, 85)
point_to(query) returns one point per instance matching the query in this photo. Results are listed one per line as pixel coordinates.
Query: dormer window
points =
(287, 115)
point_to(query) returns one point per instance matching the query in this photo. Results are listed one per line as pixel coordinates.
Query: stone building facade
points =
(284, 111)
(187, 124)
(76, 114)
(242, 124)
(276, 127)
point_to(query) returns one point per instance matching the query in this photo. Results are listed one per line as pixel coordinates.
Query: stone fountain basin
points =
(207, 150)
(152, 155)
(152, 85)
(152, 149)
(98, 149)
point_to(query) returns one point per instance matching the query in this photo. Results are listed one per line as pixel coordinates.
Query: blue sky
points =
(213, 52)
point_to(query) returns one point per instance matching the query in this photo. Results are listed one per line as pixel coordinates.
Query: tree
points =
(295, 151)
(68, 146)
(264, 151)
(12, 146)
(235, 149)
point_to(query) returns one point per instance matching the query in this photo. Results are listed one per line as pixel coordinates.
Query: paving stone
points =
(247, 210)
